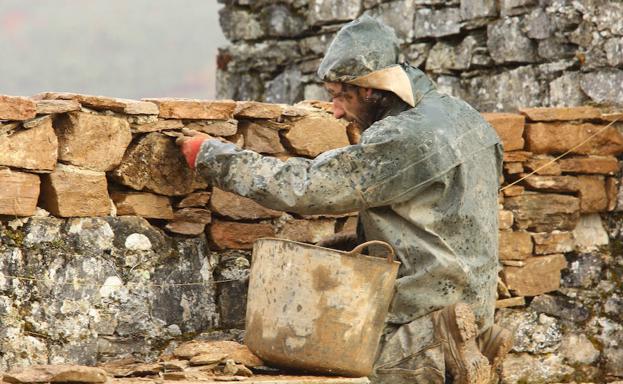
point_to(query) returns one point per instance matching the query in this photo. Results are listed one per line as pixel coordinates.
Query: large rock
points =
(34, 148)
(16, 108)
(91, 141)
(70, 191)
(515, 245)
(19, 192)
(598, 85)
(539, 275)
(561, 137)
(155, 163)
(510, 127)
(607, 165)
(317, 133)
(233, 235)
(508, 43)
(437, 22)
(172, 108)
(261, 139)
(237, 207)
(127, 106)
(326, 11)
(142, 204)
(542, 212)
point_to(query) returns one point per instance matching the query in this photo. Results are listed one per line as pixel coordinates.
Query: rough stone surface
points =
(515, 245)
(261, 139)
(604, 87)
(235, 235)
(237, 207)
(590, 233)
(314, 134)
(508, 43)
(553, 114)
(130, 107)
(578, 349)
(534, 333)
(323, 11)
(553, 242)
(92, 141)
(16, 108)
(171, 108)
(562, 137)
(19, 192)
(143, 204)
(509, 127)
(544, 212)
(437, 22)
(529, 369)
(308, 231)
(400, 15)
(539, 275)
(33, 148)
(589, 164)
(70, 191)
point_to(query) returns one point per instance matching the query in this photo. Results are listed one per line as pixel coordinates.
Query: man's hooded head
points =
(365, 52)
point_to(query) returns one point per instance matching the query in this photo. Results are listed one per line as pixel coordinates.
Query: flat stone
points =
(16, 108)
(315, 134)
(19, 193)
(144, 204)
(231, 349)
(257, 110)
(593, 195)
(193, 215)
(56, 106)
(517, 156)
(323, 11)
(35, 148)
(515, 7)
(553, 242)
(540, 274)
(560, 137)
(130, 367)
(552, 183)
(185, 227)
(214, 127)
(561, 113)
(157, 126)
(505, 219)
(239, 208)
(607, 165)
(207, 358)
(518, 301)
(543, 165)
(261, 139)
(234, 235)
(175, 108)
(543, 212)
(508, 43)
(437, 22)
(195, 199)
(127, 106)
(55, 374)
(598, 86)
(515, 245)
(589, 233)
(510, 127)
(308, 231)
(91, 141)
(70, 191)
(155, 163)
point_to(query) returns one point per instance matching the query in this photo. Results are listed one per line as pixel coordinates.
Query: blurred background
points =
(121, 48)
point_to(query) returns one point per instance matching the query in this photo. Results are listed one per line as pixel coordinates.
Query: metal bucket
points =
(318, 309)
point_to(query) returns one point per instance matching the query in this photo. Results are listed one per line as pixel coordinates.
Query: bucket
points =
(318, 309)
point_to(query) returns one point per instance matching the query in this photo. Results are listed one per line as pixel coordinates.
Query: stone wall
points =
(111, 246)
(497, 55)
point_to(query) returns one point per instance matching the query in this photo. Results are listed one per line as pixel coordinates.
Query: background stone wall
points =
(110, 246)
(498, 55)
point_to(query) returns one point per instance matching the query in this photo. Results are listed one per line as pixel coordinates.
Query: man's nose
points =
(338, 111)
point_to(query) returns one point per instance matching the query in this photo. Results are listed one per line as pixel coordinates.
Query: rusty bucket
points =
(318, 309)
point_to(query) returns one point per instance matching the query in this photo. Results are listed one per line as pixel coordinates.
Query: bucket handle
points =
(360, 247)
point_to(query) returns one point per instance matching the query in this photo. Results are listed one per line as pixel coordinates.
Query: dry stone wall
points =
(498, 55)
(111, 246)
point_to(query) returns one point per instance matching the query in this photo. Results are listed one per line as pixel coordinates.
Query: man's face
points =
(349, 103)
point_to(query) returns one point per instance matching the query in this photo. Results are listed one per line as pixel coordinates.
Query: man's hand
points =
(190, 143)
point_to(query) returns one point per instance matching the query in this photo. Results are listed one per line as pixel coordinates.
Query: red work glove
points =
(190, 148)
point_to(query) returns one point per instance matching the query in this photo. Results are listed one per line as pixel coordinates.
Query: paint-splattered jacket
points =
(424, 180)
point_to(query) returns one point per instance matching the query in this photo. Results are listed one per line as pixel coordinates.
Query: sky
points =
(121, 48)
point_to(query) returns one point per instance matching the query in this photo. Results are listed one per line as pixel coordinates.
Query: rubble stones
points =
(35, 148)
(19, 192)
(16, 108)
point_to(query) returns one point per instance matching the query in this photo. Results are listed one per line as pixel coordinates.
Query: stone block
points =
(513, 168)
(73, 192)
(561, 113)
(543, 165)
(598, 86)
(517, 156)
(552, 183)
(445, 57)
(195, 199)
(127, 106)
(505, 219)
(544, 212)
(257, 110)
(157, 125)
(566, 90)
(474, 9)
(514, 190)
(540, 274)
(515, 245)
(155, 163)
(437, 22)
(607, 165)
(515, 7)
(234, 235)
(314, 134)
(56, 106)
(260, 139)
(91, 141)
(142, 204)
(19, 193)
(553, 242)
(237, 207)
(34, 148)
(510, 127)
(216, 127)
(560, 137)
(400, 15)
(174, 108)
(193, 215)
(307, 231)
(17, 108)
(329, 12)
(507, 42)
(593, 195)
(589, 234)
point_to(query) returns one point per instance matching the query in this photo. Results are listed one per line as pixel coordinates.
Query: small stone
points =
(314, 134)
(437, 22)
(227, 234)
(261, 139)
(172, 108)
(185, 228)
(70, 191)
(539, 275)
(542, 212)
(589, 233)
(137, 242)
(515, 245)
(235, 351)
(195, 199)
(578, 349)
(214, 127)
(508, 43)
(551, 138)
(16, 108)
(193, 215)
(19, 193)
(505, 219)
(553, 242)
(142, 204)
(561, 113)
(515, 190)
(237, 207)
(127, 106)
(607, 165)
(35, 148)
(56, 106)
(513, 168)
(256, 110)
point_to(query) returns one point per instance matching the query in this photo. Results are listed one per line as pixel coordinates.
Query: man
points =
(424, 179)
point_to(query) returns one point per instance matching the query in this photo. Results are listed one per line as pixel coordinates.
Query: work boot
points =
(494, 343)
(456, 330)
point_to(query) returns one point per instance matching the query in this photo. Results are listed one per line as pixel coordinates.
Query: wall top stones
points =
(497, 55)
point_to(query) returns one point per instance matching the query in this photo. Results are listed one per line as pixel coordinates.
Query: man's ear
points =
(368, 92)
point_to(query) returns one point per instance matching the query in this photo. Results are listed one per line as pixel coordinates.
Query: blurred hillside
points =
(134, 49)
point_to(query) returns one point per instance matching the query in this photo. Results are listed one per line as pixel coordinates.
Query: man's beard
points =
(370, 112)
